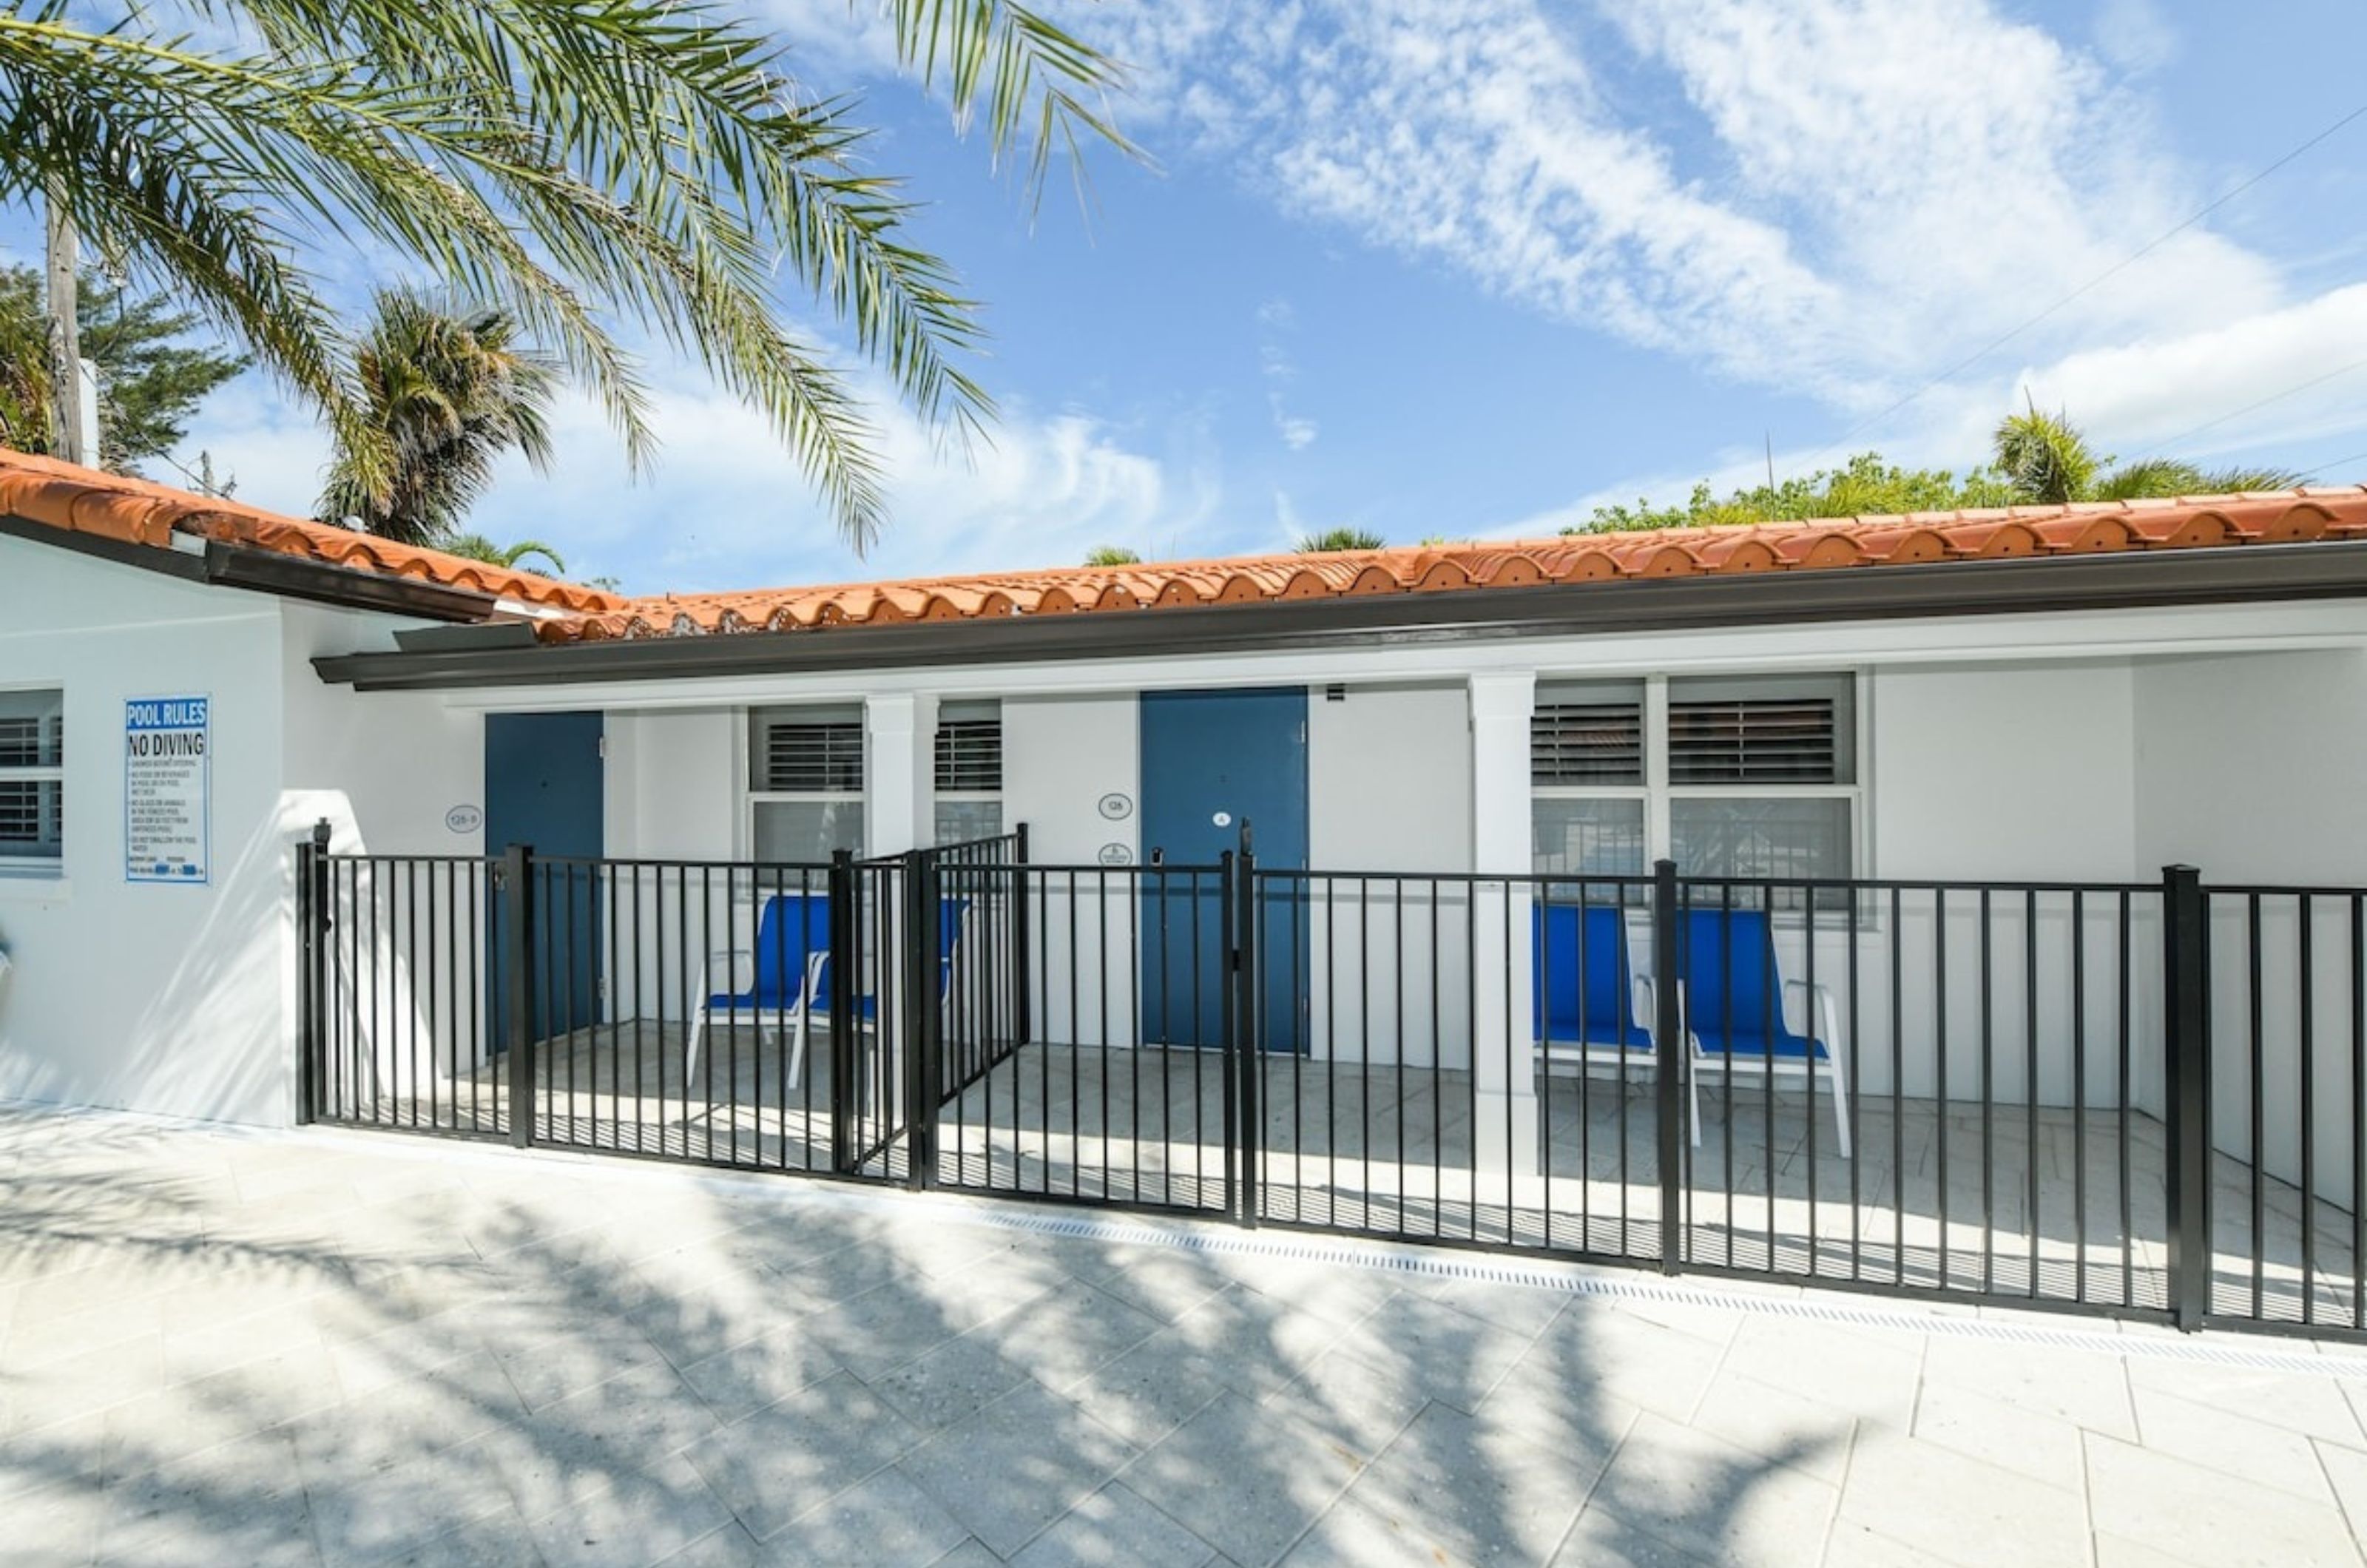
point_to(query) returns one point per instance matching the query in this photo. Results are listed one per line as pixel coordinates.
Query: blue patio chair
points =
(1587, 990)
(791, 978)
(1733, 1000)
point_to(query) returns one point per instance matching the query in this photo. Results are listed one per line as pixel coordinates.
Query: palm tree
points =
(2046, 459)
(476, 547)
(444, 390)
(1112, 555)
(566, 162)
(1340, 539)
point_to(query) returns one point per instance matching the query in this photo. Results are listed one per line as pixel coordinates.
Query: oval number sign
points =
(465, 818)
(1117, 807)
(1116, 854)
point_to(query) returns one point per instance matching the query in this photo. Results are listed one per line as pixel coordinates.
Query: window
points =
(805, 782)
(1748, 777)
(1586, 763)
(968, 772)
(32, 780)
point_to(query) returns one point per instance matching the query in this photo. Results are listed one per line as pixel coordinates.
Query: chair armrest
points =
(1819, 996)
(1642, 989)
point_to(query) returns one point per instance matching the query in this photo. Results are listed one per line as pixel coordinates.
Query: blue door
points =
(543, 790)
(1210, 761)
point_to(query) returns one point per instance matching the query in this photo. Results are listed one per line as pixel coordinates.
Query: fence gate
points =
(1085, 1050)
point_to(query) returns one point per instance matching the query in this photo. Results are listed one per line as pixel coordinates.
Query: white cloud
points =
(2136, 36)
(1858, 196)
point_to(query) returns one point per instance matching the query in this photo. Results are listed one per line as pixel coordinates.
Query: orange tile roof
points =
(89, 500)
(2276, 517)
(86, 500)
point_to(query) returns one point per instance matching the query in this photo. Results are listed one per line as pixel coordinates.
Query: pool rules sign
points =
(167, 778)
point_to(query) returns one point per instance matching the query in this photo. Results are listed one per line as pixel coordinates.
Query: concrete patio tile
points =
(970, 1553)
(1853, 1545)
(2118, 1552)
(2233, 1446)
(367, 1516)
(2044, 1448)
(1605, 1348)
(641, 1518)
(2088, 1388)
(2185, 1510)
(1501, 1486)
(1358, 1404)
(565, 1357)
(2346, 1471)
(2313, 1405)
(1599, 1539)
(1354, 1533)
(1867, 1373)
(893, 1325)
(1344, 1296)
(749, 1376)
(1067, 1334)
(53, 1525)
(1252, 1343)
(1807, 1434)
(625, 1422)
(1017, 1465)
(952, 1382)
(498, 1540)
(1115, 1529)
(884, 1522)
(1152, 1389)
(1251, 1478)
(791, 1457)
(1706, 1496)
(730, 1546)
(238, 1497)
(1445, 1354)
(1954, 1505)
(1162, 1282)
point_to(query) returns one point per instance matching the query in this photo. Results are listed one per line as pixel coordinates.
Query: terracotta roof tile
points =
(133, 511)
(1828, 544)
(130, 511)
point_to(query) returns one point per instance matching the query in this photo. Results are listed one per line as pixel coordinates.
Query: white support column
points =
(899, 804)
(1503, 1077)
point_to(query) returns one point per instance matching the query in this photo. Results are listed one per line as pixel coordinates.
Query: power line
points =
(2105, 276)
(2333, 463)
(2185, 435)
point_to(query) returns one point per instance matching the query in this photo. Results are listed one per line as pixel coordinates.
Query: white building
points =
(2062, 695)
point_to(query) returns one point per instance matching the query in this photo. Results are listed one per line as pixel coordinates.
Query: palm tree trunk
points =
(70, 440)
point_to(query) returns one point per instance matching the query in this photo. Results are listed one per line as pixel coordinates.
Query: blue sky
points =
(1466, 268)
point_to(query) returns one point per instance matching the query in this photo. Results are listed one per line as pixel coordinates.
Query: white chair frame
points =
(1821, 999)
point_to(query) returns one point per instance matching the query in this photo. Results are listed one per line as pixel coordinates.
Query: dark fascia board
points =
(2121, 580)
(270, 571)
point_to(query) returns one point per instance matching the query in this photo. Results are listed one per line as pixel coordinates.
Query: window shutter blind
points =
(1582, 743)
(1753, 740)
(814, 759)
(970, 755)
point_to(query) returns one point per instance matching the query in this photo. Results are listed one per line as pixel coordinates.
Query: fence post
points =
(312, 928)
(1245, 1128)
(843, 1025)
(924, 1017)
(2186, 1090)
(1023, 1006)
(518, 983)
(1672, 1060)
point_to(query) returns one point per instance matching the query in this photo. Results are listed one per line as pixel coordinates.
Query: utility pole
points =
(72, 440)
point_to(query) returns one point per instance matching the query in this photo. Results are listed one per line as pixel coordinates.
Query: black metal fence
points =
(2140, 1100)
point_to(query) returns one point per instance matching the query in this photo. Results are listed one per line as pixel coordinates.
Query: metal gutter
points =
(270, 571)
(2119, 579)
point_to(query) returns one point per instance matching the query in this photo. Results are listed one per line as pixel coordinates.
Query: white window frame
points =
(45, 869)
(962, 796)
(752, 798)
(1658, 792)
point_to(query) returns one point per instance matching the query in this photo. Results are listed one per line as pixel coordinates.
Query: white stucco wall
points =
(1060, 757)
(154, 997)
(2250, 768)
